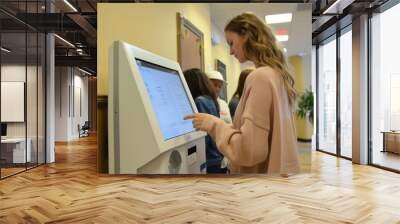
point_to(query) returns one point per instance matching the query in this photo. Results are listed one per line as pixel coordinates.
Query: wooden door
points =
(190, 45)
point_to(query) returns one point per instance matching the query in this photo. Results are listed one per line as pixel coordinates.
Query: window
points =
(385, 89)
(346, 93)
(327, 96)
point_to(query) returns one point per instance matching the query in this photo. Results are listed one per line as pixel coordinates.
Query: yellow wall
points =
(149, 26)
(303, 127)
(221, 52)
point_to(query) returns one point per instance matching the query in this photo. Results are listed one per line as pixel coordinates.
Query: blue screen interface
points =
(168, 98)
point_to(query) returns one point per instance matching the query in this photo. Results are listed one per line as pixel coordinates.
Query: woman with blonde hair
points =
(262, 138)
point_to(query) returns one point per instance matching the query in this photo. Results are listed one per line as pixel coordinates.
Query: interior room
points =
(209, 21)
(56, 103)
(22, 101)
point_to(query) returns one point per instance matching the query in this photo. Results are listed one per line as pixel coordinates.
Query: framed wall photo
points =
(221, 67)
(12, 101)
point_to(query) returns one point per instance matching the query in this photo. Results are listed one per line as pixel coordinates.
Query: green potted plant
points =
(305, 107)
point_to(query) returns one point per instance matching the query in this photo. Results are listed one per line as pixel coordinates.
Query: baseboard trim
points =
(303, 140)
(102, 134)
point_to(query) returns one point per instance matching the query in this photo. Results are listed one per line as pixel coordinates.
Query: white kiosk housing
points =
(148, 99)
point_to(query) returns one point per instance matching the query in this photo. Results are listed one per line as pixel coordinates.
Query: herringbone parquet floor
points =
(70, 191)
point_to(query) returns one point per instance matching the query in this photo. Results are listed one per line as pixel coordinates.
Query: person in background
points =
(217, 82)
(238, 92)
(262, 138)
(206, 102)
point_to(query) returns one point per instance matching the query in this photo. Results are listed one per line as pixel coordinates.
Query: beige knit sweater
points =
(262, 138)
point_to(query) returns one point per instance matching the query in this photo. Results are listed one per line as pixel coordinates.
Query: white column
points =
(360, 90)
(50, 92)
(63, 112)
(50, 99)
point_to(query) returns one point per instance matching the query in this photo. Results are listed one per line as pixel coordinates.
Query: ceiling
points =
(79, 27)
(299, 29)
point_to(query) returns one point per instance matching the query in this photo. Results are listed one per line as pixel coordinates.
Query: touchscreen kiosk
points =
(148, 99)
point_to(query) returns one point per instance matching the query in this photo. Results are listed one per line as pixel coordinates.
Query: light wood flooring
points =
(70, 191)
(5, 172)
(10, 171)
(387, 159)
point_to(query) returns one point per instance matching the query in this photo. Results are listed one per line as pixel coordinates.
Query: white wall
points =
(71, 87)
(80, 100)
(62, 81)
(12, 101)
(16, 73)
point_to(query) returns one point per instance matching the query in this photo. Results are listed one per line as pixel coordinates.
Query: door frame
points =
(183, 23)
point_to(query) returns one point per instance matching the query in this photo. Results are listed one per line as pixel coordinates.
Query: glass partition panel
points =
(41, 98)
(346, 94)
(327, 96)
(385, 89)
(14, 152)
(31, 98)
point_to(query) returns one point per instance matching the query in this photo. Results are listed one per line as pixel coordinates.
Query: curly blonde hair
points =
(260, 47)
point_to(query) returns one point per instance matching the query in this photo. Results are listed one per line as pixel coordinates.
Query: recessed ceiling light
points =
(70, 5)
(337, 7)
(282, 38)
(278, 18)
(5, 50)
(64, 40)
(84, 71)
